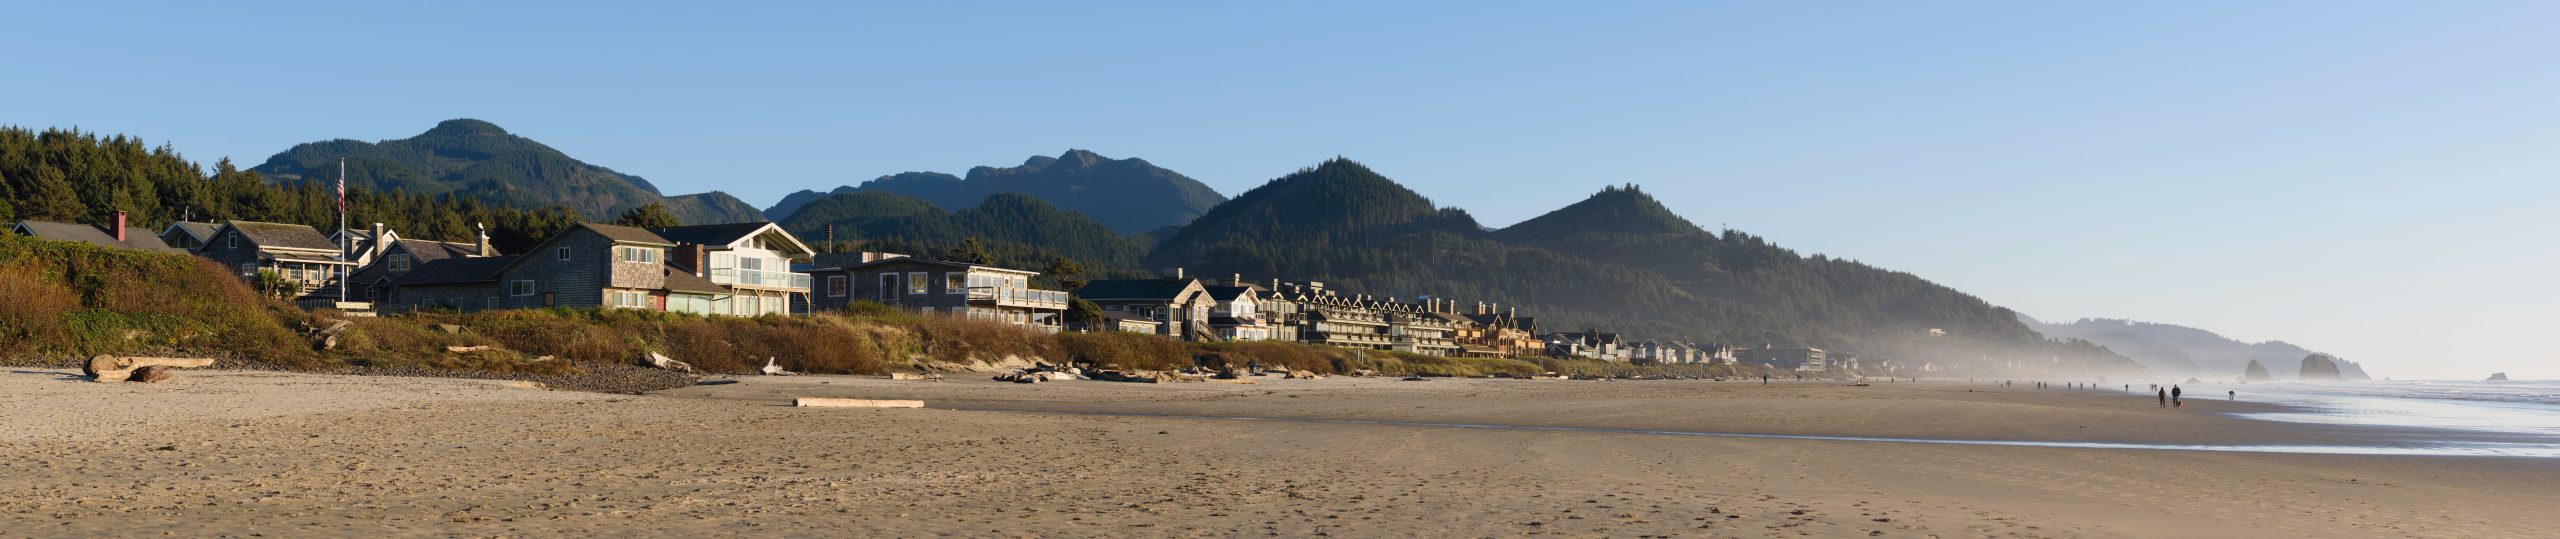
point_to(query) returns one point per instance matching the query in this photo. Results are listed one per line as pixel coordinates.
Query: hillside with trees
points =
(1616, 262)
(477, 160)
(73, 176)
(1126, 195)
(1019, 230)
(2176, 350)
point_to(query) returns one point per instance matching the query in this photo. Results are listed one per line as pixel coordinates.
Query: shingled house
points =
(113, 236)
(589, 265)
(298, 253)
(189, 235)
(945, 287)
(387, 256)
(752, 259)
(1239, 314)
(1180, 303)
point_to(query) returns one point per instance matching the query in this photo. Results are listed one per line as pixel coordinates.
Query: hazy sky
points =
(2372, 180)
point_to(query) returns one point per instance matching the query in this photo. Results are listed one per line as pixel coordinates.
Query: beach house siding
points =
(585, 278)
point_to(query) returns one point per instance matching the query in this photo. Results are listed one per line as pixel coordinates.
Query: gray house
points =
(938, 287)
(298, 253)
(189, 235)
(387, 256)
(113, 236)
(589, 265)
(1181, 304)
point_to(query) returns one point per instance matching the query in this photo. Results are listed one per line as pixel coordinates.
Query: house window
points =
(955, 282)
(916, 283)
(400, 263)
(835, 286)
(630, 300)
(520, 288)
(888, 286)
(248, 270)
(564, 254)
(637, 255)
(231, 241)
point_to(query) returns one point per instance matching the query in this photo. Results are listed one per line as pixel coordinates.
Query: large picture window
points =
(835, 286)
(917, 283)
(520, 288)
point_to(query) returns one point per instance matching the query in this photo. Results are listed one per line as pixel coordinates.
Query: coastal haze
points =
(1341, 269)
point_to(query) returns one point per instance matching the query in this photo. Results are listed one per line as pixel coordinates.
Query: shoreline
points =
(220, 453)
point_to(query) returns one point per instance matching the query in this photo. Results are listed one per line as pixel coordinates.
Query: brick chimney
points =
(119, 226)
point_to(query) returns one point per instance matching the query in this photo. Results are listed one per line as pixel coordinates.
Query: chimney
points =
(484, 237)
(119, 226)
(1173, 273)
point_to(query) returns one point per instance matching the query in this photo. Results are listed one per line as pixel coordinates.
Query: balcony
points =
(774, 280)
(1018, 297)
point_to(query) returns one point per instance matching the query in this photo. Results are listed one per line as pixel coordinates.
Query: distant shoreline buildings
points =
(759, 269)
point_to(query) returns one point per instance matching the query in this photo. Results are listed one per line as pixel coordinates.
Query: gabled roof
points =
(424, 250)
(721, 234)
(1230, 293)
(202, 232)
(94, 235)
(1137, 289)
(626, 234)
(679, 280)
(455, 271)
(924, 261)
(283, 235)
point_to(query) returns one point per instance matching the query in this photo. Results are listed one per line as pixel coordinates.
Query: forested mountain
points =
(1018, 230)
(1618, 261)
(478, 160)
(712, 208)
(72, 176)
(1127, 195)
(2181, 351)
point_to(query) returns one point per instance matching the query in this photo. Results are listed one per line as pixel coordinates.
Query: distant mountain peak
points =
(1614, 212)
(1128, 195)
(465, 127)
(1082, 159)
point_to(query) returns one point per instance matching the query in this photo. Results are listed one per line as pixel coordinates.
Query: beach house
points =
(753, 260)
(299, 254)
(1181, 304)
(962, 289)
(112, 235)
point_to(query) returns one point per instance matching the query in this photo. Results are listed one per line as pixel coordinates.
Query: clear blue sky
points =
(2369, 179)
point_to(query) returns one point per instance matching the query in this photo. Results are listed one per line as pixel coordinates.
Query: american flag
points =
(342, 194)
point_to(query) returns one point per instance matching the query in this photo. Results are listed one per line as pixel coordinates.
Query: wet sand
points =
(239, 453)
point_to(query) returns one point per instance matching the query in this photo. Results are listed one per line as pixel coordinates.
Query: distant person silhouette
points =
(2177, 396)
(2164, 398)
(2235, 395)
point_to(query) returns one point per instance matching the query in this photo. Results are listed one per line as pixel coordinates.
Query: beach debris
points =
(664, 362)
(1303, 375)
(1416, 378)
(937, 377)
(153, 374)
(810, 402)
(467, 349)
(715, 382)
(107, 368)
(1364, 372)
(771, 369)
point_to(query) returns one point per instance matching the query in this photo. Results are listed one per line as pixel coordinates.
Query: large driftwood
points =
(466, 349)
(811, 402)
(106, 368)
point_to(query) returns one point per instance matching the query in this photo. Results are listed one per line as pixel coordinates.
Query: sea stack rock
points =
(2255, 372)
(2320, 368)
(2498, 377)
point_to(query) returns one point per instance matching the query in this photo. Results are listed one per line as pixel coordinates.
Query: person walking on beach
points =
(2235, 395)
(2177, 396)
(2164, 398)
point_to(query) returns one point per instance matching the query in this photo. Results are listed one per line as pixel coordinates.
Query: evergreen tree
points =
(48, 195)
(651, 215)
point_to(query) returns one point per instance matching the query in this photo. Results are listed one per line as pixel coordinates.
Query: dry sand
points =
(239, 453)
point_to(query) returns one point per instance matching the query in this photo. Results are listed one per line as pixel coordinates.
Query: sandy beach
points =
(238, 454)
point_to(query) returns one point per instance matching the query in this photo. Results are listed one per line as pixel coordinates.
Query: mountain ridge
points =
(477, 159)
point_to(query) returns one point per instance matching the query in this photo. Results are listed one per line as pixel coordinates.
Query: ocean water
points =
(2519, 411)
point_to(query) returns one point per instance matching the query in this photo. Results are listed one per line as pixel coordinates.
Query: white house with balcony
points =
(752, 260)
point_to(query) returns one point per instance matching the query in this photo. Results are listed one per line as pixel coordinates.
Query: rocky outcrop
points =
(2255, 372)
(2498, 377)
(2320, 368)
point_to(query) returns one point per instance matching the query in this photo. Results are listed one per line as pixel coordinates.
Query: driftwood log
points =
(466, 349)
(106, 368)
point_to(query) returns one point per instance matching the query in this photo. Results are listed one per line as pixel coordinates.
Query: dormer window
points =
(636, 255)
(400, 263)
